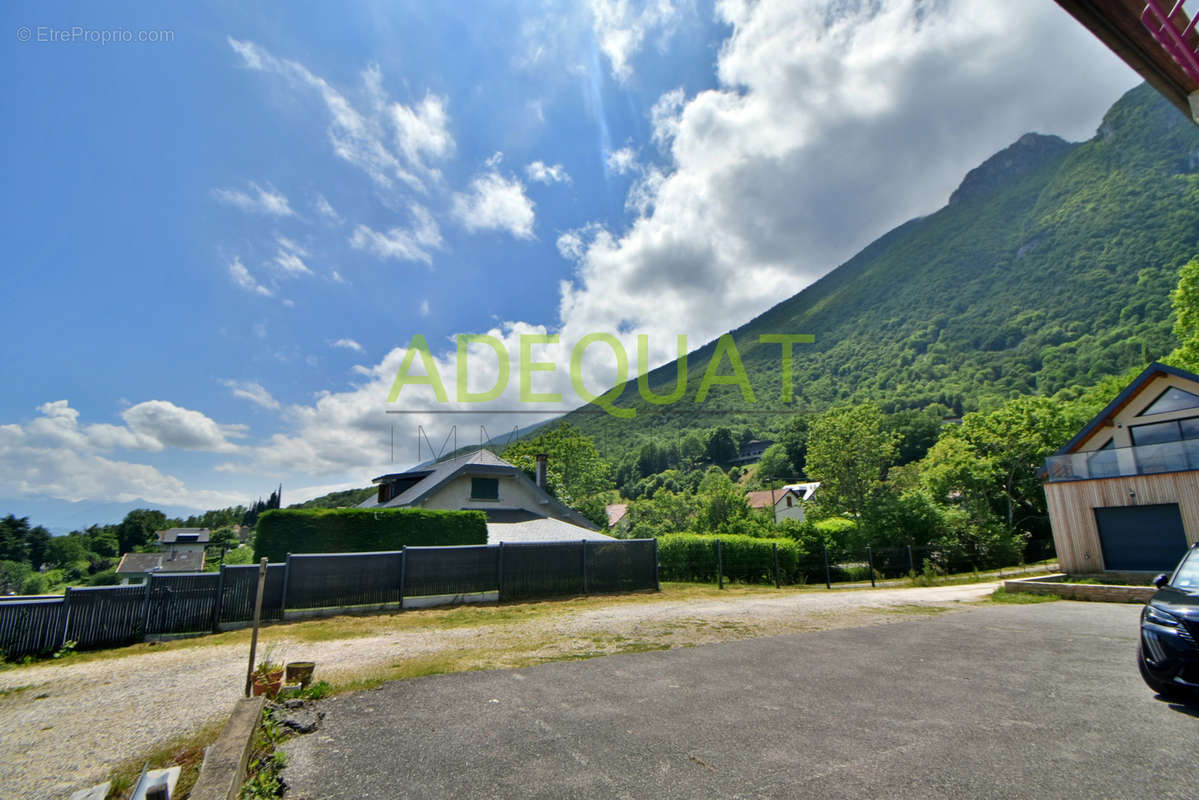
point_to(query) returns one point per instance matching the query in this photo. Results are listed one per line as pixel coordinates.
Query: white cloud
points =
(540, 173)
(175, 426)
(53, 455)
(621, 27)
(258, 200)
(424, 307)
(361, 138)
(622, 161)
(254, 392)
(348, 344)
(495, 202)
(290, 257)
(412, 244)
(242, 277)
(326, 210)
(421, 131)
(336, 276)
(825, 131)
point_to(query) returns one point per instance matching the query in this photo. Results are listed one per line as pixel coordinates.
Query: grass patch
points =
(185, 751)
(1002, 595)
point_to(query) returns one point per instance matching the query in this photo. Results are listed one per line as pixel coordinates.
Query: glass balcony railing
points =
(1147, 459)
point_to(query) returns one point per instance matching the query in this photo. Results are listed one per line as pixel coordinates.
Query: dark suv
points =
(1168, 654)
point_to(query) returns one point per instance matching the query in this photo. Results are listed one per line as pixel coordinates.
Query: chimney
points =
(541, 457)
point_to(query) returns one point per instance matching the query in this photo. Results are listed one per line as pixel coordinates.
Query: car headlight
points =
(1160, 616)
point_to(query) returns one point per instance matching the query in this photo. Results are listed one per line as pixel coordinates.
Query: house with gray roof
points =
(518, 509)
(183, 540)
(134, 567)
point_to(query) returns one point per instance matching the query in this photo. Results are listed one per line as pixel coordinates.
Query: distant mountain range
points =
(64, 516)
(1050, 267)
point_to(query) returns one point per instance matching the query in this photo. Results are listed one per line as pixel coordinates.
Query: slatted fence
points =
(110, 616)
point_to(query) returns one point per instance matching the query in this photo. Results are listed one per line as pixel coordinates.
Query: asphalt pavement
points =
(1024, 701)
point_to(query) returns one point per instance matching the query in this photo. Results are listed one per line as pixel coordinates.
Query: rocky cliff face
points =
(1029, 152)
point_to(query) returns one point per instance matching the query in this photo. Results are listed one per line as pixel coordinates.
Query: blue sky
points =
(219, 243)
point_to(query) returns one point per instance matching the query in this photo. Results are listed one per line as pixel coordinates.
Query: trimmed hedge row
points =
(747, 559)
(361, 530)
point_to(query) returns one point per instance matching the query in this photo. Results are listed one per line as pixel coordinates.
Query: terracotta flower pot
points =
(269, 683)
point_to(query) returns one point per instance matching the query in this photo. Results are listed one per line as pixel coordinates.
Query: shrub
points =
(747, 559)
(360, 530)
(105, 578)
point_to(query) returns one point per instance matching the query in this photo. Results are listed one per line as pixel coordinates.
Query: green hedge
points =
(360, 530)
(746, 559)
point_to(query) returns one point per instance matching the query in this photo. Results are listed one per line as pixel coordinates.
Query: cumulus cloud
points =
(495, 203)
(175, 426)
(242, 277)
(55, 455)
(402, 244)
(540, 173)
(257, 200)
(254, 392)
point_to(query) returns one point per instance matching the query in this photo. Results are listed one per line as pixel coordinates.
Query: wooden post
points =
(870, 565)
(777, 585)
(257, 621)
(828, 582)
(911, 563)
(719, 566)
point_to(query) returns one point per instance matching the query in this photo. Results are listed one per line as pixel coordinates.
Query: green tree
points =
(721, 448)
(1185, 299)
(138, 527)
(774, 468)
(65, 551)
(574, 469)
(849, 451)
(795, 441)
(692, 450)
(721, 503)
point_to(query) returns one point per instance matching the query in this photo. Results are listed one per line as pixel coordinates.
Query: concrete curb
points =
(224, 768)
(1103, 593)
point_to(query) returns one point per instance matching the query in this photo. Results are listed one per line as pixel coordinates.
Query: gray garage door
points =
(1141, 537)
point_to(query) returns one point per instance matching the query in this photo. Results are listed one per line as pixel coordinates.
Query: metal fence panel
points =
(343, 579)
(240, 586)
(30, 627)
(542, 569)
(182, 603)
(451, 570)
(621, 566)
(105, 616)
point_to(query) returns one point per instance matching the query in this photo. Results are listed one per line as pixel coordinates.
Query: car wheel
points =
(1163, 687)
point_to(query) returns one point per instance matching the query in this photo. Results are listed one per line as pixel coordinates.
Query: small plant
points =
(67, 648)
(266, 762)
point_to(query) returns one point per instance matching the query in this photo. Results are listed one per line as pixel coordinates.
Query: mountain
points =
(1050, 267)
(64, 516)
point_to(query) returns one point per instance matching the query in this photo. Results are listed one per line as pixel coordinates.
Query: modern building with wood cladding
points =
(1123, 494)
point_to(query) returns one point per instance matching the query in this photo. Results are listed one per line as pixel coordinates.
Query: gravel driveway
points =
(67, 725)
